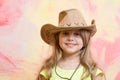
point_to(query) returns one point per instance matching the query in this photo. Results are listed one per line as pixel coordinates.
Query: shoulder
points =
(100, 75)
(44, 73)
(99, 71)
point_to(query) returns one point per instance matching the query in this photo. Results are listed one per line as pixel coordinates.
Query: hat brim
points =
(48, 31)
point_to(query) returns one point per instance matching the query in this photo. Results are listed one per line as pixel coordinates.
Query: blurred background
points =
(21, 47)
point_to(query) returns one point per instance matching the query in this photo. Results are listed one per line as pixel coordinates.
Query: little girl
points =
(71, 57)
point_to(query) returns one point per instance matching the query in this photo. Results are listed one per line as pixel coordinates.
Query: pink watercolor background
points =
(21, 47)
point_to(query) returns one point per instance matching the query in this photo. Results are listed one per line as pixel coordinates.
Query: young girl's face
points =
(70, 41)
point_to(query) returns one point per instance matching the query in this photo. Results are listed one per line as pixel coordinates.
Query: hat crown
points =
(71, 18)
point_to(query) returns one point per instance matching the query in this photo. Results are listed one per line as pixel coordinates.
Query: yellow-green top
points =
(67, 74)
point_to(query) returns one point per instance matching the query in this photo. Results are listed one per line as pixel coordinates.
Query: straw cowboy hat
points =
(68, 20)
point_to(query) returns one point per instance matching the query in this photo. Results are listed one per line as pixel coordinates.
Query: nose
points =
(70, 37)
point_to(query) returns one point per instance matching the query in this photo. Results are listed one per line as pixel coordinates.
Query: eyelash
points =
(67, 33)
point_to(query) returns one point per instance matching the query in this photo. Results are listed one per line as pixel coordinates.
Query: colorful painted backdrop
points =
(22, 50)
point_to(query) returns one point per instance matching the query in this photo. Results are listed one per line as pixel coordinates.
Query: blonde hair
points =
(85, 57)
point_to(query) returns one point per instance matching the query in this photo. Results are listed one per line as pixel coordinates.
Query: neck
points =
(71, 57)
(69, 62)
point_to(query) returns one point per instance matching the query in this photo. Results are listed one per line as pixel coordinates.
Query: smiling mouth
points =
(70, 44)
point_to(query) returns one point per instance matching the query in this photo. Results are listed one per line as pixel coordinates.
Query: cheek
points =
(61, 41)
(80, 42)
